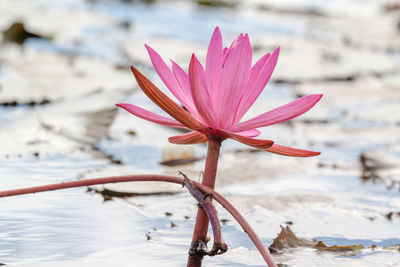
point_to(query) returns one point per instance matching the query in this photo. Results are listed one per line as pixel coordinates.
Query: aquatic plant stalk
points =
(201, 227)
(243, 223)
(204, 201)
(152, 178)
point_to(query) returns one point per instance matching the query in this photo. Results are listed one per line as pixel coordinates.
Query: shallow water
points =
(323, 198)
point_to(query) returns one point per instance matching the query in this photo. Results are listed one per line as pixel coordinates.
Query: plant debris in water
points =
(108, 194)
(217, 3)
(321, 246)
(287, 239)
(391, 215)
(17, 33)
(31, 103)
(178, 162)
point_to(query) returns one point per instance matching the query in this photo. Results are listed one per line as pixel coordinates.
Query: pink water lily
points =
(216, 97)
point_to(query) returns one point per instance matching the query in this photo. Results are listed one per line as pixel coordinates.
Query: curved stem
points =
(152, 178)
(204, 201)
(242, 221)
(95, 181)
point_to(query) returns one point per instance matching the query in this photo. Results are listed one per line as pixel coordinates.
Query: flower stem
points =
(95, 181)
(201, 227)
(204, 200)
(245, 225)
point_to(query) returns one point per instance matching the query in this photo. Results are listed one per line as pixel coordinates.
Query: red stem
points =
(95, 181)
(152, 178)
(219, 247)
(242, 221)
(201, 226)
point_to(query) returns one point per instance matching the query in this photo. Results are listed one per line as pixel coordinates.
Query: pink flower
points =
(217, 97)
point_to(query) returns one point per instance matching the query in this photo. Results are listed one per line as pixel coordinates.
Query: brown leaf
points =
(321, 246)
(287, 239)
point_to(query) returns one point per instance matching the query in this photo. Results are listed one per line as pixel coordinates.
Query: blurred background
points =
(65, 64)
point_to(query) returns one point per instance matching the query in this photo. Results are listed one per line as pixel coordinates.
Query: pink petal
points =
(280, 114)
(200, 94)
(150, 116)
(255, 72)
(293, 152)
(182, 78)
(234, 77)
(256, 86)
(250, 133)
(257, 143)
(214, 62)
(224, 52)
(227, 51)
(188, 138)
(169, 79)
(184, 82)
(258, 66)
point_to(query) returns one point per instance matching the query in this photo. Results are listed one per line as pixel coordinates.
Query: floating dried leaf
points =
(321, 246)
(287, 239)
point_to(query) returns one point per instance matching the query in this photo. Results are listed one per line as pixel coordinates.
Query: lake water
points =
(83, 71)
